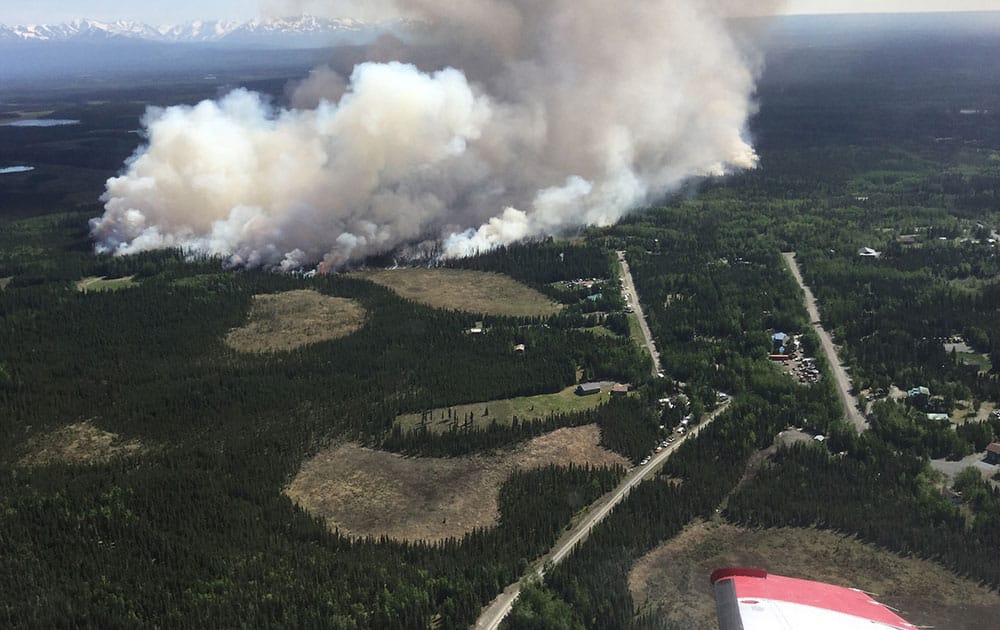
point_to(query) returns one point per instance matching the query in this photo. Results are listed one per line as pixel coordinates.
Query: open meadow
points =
(285, 321)
(464, 290)
(503, 411)
(364, 492)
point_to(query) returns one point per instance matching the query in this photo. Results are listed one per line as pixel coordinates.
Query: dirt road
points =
(494, 614)
(633, 300)
(844, 385)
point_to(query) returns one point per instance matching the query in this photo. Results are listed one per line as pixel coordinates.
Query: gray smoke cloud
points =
(504, 119)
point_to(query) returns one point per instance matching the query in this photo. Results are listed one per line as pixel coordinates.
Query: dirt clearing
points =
(674, 577)
(463, 290)
(284, 321)
(363, 492)
(5, 282)
(81, 443)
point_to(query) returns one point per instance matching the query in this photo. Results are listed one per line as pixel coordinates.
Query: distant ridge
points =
(304, 31)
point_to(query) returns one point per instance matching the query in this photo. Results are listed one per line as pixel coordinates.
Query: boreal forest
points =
(148, 467)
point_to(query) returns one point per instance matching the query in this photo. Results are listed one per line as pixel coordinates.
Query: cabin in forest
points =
(588, 389)
(993, 453)
(619, 389)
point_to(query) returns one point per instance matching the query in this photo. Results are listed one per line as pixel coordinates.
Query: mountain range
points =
(295, 32)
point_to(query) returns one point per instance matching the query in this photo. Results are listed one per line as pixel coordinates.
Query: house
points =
(918, 391)
(520, 347)
(782, 343)
(588, 389)
(868, 252)
(993, 453)
(938, 417)
(619, 389)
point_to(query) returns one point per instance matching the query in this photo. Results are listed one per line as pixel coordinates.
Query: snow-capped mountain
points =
(77, 30)
(303, 31)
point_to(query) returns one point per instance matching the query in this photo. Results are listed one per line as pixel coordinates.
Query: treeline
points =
(628, 426)
(541, 263)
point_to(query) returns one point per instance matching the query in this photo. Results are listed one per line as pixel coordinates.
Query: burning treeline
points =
(495, 120)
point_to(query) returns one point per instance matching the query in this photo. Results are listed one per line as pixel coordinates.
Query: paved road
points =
(633, 300)
(844, 386)
(494, 614)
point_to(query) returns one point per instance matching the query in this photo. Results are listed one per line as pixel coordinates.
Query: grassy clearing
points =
(503, 411)
(635, 332)
(982, 361)
(363, 492)
(964, 412)
(673, 579)
(97, 284)
(80, 443)
(285, 321)
(464, 290)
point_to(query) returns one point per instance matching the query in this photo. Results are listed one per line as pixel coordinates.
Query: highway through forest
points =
(633, 300)
(845, 388)
(494, 614)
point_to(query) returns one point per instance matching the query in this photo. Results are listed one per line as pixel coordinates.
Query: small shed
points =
(993, 453)
(619, 389)
(938, 417)
(520, 347)
(588, 389)
(918, 391)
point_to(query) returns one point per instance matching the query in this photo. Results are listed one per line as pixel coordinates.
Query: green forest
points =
(192, 529)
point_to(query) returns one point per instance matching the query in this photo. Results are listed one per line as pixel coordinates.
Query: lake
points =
(40, 122)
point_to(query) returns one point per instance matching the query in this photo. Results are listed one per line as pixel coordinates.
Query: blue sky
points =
(160, 12)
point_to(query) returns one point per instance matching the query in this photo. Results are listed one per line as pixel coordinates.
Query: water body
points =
(16, 169)
(41, 122)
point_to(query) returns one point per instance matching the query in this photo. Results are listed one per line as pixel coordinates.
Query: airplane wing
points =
(750, 599)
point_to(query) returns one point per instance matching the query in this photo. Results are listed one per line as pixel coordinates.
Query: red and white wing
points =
(750, 599)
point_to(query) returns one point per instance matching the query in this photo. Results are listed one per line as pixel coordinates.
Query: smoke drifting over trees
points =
(501, 119)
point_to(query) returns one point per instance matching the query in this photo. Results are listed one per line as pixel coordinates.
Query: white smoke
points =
(534, 118)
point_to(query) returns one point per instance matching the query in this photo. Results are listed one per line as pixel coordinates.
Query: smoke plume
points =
(500, 120)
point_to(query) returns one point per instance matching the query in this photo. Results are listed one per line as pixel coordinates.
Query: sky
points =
(166, 12)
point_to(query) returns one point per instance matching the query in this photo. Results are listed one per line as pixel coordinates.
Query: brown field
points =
(363, 492)
(674, 577)
(80, 443)
(285, 321)
(463, 290)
